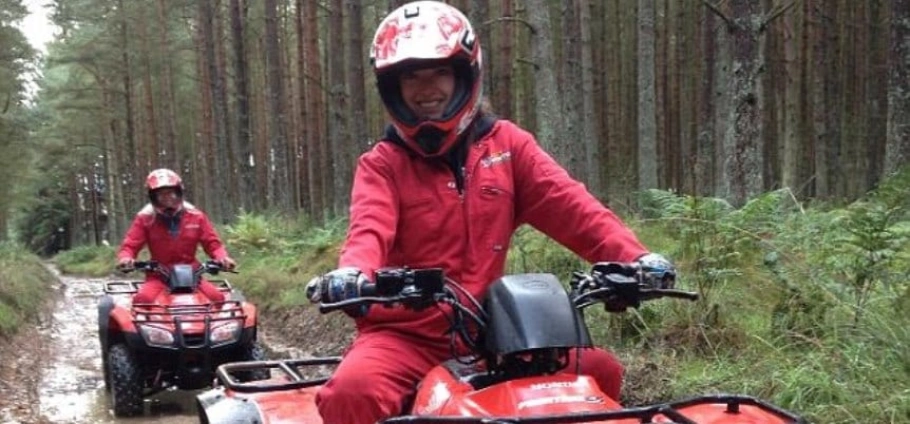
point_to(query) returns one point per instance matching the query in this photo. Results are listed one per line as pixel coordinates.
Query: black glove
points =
(658, 271)
(336, 286)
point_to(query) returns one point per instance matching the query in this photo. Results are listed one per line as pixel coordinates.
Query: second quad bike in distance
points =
(176, 341)
(519, 341)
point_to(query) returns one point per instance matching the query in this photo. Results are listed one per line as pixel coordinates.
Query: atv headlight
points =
(226, 333)
(155, 336)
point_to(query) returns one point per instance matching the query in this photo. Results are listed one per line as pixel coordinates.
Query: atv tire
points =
(126, 382)
(253, 352)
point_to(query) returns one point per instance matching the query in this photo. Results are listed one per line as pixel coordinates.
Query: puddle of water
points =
(72, 386)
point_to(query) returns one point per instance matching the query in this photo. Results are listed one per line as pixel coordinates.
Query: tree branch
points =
(718, 12)
(777, 13)
(510, 19)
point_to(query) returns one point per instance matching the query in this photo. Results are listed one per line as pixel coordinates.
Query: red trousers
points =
(381, 369)
(153, 287)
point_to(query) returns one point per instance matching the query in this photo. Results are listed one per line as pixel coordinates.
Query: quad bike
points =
(520, 340)
(177, 341)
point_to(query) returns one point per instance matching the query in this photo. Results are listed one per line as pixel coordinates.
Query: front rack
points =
(290, 375)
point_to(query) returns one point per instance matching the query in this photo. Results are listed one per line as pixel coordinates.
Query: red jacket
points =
(193, 229)
(407, 210)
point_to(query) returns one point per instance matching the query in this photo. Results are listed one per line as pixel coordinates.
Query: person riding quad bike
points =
(176, 327)
(446, 186)
(173, 229)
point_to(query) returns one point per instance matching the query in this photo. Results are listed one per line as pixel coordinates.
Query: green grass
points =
(24, 284)
(91, 261)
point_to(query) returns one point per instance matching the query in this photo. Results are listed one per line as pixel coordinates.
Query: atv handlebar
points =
(207, 267)
(414, 288)
(420, 288)
(625, 283)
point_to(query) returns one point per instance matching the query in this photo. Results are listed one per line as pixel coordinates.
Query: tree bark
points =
(278, 193)
(647, 119)
(546, 92)
(743, 167)
(898, 145)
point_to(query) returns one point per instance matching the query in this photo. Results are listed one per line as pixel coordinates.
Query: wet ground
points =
(70, 383)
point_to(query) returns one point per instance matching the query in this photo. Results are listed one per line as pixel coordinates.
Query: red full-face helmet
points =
(420, 34)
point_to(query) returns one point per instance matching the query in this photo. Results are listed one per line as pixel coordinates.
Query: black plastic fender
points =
(216, 408)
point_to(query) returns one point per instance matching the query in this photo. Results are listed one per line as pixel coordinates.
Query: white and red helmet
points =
(424, 33)
(161, 178)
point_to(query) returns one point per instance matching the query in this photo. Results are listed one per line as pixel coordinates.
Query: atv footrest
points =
(290, 377)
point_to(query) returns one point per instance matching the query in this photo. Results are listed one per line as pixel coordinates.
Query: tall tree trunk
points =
(590, 130)
(743, 143)
(794, 166)
(705, 167)
(647, 118)
(546, 92)
(820, 63)
(877, 90)
(225, 155)
(130, 178)
(360, 138)
(504, 71)
(168, 102)
(898, 145)
(340, 133)
(307, 114)
(571, 140)
(723, 100)
(319, 155)
(245, 163)
(278, 193)
(153, 139)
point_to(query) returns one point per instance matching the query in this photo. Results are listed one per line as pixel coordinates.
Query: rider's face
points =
(427, 91)
(168, 197)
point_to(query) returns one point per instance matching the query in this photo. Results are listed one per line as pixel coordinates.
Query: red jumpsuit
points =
(407, 210)
(170, 245)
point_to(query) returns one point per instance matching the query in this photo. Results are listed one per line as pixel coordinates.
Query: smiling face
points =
(168, 198)
(427, 91)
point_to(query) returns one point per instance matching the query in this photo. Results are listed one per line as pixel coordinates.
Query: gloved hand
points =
(125, 264)
(335, 286)
(227, 263)
(658, 271)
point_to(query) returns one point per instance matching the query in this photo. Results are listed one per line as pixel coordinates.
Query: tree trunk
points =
(340, 133)
(130, 178)
(571, 140)
(743, 143)
(245, 163)
(153, 139)
(503, 71)
(169, 103)
(898, 145)
(278, 193)
(546, 92)
(647, 119)
(360, 138)
(590, 131)
(319, 157)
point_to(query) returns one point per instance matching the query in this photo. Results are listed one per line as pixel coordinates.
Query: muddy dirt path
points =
(69, 384)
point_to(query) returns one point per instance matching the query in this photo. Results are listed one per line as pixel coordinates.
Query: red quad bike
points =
(517, 374)
(177, 341)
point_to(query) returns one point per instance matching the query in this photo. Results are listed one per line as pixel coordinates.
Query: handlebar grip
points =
(679, 294)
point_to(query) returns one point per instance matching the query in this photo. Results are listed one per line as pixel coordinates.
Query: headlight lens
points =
(155, 336)
(228, 332)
